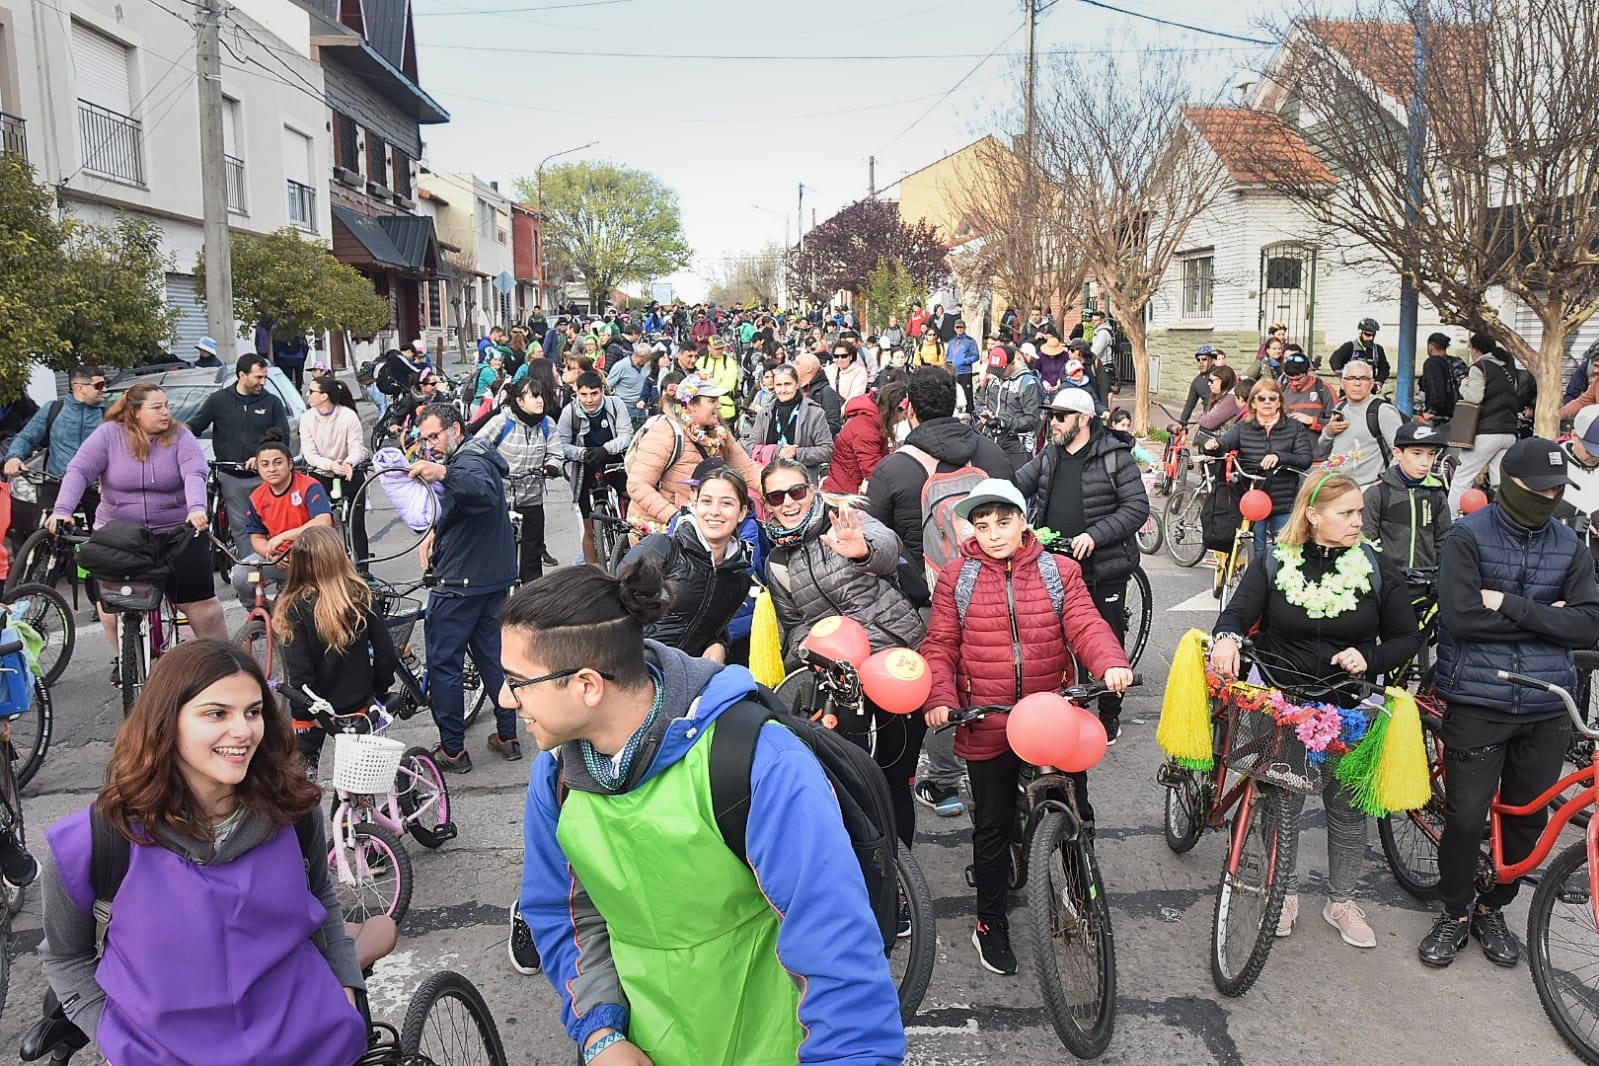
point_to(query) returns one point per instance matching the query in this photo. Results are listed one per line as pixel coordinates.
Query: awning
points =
(402, 242)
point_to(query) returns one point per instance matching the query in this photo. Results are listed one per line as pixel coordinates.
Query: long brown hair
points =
(125, 413)
(321, 574)
(145, 789)
(893, 403)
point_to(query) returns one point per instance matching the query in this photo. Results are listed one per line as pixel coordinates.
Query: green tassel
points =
(1202, 765)
(1358, 769)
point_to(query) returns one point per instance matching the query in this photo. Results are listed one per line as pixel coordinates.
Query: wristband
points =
(592, 1052)
(1234, 637)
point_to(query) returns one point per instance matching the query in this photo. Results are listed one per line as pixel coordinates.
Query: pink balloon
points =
(1041, 729)
(897, 680)
(1473, 500)
(1091, 743)
(840, 639)
(1255, 506)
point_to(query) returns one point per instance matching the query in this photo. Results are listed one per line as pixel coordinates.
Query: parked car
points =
(187, 387)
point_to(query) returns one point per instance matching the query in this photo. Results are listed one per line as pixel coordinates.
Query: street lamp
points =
(782, 276)
(538, 181)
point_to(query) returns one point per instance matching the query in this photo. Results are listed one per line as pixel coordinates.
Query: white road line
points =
(1199, 601)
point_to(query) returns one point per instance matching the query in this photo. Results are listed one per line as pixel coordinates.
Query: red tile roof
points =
(1258, 147)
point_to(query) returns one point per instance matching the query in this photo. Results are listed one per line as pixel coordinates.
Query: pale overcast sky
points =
(733, 103)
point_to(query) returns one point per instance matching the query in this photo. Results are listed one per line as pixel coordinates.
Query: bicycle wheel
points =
(33, 563)
(424, 797)
(254, 638)
(448, 1024)
(619, 550)
(911, 958)
(133, 667)
(1563, 951)
(1243, 555)
(1185, 526)
(473, 696)
(380, 871)
(1151, 535)
(1410, 838)
(1138, 604)
(47, 611)
(30, 734)
(1070, 923)
(1254, 881)
(1184, 823)
(797, 692)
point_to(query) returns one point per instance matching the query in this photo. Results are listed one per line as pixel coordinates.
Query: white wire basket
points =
(365, 764)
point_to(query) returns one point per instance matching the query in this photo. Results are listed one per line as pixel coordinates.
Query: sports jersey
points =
(272, 513)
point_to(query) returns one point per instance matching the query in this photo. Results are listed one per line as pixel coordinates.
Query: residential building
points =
(473, 216)
(527, 249)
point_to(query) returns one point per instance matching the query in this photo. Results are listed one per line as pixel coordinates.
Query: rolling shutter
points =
(102, 66)
(296, 156)
(192, 323)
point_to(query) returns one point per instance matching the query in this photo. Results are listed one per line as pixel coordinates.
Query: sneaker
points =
(1113, 728)
(993, 947)
(946, 802)
(1289, 915)
(1350, 921)
(1443, 942)
(510, 748)
(550, 560)
(459, 763)
(116, 673)
(904, 930)
(17, 866)
(1498, 942)
(524, 955)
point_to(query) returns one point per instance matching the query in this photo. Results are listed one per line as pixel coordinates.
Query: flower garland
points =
(1335, 594)
(1323, 728)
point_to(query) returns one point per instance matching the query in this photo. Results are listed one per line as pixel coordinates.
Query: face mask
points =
(902, 429)
(1526, 508)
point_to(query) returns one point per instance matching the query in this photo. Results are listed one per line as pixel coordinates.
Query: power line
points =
(951, 90)
(517, 10)
(742, 58)
(1175, 25)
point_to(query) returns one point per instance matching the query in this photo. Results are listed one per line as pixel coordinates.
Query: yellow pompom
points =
(1184, 731)
(766, 642)
(1401, 782)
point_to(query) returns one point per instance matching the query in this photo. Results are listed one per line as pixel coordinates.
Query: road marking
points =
(969, 1029)
(1199, 601)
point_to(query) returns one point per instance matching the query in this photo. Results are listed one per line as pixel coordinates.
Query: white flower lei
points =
(1333, 595)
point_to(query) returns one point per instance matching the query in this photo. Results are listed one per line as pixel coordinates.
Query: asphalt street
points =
(1318, 1000)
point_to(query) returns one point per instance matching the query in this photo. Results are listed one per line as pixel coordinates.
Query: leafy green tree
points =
(613, 224)
(296, 285)
(889, 291)
(31, 281)
(113, 310)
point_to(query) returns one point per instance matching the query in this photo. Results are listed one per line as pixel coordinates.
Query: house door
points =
(1288, 291)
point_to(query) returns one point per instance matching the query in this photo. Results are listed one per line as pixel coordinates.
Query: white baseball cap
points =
(1070, 398)
(1585, 427)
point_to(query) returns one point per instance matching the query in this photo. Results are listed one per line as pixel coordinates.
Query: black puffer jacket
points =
(705, 594)
(1288, 440)
(894, 491)
(1115, 504)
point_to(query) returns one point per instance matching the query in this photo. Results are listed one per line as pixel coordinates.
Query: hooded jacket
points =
(526, 448)
(894, 496)
(810, 581)
(962, 354)
(858, 448)
(659, 487)
(852, 382)
(1115, 503)
(573, 425)
(812, 439)
(1289, 441)
(802, 881)
(72, 427)
(832, 404)
(474, 547)
(980, 662)
(705, 594)
(1014, 405)
(1407, 523)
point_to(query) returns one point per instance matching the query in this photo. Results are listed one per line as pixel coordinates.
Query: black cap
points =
(1420, 435)
(1536, 463)
(1078, 345)
(1298, 363)
(706, 468)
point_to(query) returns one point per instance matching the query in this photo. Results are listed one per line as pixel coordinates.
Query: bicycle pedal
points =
(446, 831)
(971, 876)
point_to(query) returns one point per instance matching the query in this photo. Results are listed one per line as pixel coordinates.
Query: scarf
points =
(1528, 509)
(783, 418)
(788, 538)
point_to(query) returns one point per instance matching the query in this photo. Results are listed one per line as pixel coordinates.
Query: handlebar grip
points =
(1524, 681)
(10, 648)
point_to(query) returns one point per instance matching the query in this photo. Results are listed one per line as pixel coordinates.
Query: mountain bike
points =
(256, 634)
(1068, 911)
(400, 611)
(1151, 535)
(1185, 513)
(216, 509)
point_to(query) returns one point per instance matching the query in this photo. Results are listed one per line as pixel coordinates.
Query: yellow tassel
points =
(1401, 782)
(1184, 731)
(766, 642)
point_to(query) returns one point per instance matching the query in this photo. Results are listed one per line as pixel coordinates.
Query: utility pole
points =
(802, 216)
(871, 177)
(1032, 72)
(1415, 139)
(214, 183)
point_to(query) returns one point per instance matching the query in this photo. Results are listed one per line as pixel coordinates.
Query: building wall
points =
(936, 192)
(355, 96)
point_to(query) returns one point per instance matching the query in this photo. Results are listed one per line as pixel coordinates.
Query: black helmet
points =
(1368, 325)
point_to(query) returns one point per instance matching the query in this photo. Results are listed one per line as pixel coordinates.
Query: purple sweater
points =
(159, 493)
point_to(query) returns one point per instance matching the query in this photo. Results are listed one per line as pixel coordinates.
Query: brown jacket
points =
(658, 493)
(1589, 396)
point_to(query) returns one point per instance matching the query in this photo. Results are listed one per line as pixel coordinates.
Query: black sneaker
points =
(16, 865)
(511, 749)
(116, 673)
(1113, 728)
(459, 763)
(550, 560)
(1447, 936)
(524, 954)
(904, 929)
(1498, 942)
(993, 947)
(946, 802)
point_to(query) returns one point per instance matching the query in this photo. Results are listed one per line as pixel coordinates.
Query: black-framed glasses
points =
(513, 686)
(437, 435)
(1060, 416)
(775, 497)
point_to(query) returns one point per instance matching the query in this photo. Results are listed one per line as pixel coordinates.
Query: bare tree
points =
(1505, 198)
(752, 278)
(462, 279)
(1131, 175)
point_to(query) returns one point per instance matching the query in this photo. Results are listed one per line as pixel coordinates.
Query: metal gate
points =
(192, 322)
(1288, 290)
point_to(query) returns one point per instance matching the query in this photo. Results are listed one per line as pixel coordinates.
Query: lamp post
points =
(782, 266)
(538, 181)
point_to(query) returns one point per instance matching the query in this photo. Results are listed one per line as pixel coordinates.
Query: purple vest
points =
(212, 964)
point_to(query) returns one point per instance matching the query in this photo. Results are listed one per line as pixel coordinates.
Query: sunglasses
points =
(1060, 416)
(1358, 377)
(98, 386)
(775, 497)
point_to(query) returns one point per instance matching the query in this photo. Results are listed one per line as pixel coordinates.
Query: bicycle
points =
(256, 634)
(44, 558)
(216, 509)
(10, 821)
(1067, 908)
(1172, 472)
(608, 512)
(1151, 535)
(147, 624)
(400, 611)
(1185, 514)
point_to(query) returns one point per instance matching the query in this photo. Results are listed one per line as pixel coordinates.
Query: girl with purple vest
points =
(218, 949)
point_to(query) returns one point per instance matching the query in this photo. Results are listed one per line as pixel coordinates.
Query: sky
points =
(734, 103)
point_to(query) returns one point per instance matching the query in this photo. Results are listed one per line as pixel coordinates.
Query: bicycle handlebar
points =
(10, 648)
(1524, 681)
(227, 550)
(977, 712)
(228, 467)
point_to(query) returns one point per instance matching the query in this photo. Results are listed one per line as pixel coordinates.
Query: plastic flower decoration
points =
(1335, 594)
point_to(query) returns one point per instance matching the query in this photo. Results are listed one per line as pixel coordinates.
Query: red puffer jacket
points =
(857, 449)
(980, 663)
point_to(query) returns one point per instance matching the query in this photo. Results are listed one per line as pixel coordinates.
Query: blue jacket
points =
(73, 426)
(962, 353)
(1534, 569)
(474, 547)
(803, 862)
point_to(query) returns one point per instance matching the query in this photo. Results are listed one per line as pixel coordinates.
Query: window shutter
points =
(296, 156)
(103, 69)
(230, 128)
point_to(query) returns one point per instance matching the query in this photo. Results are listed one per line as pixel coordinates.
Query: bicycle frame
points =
(1587, 798)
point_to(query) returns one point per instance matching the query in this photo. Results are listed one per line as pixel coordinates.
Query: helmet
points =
(1368, 325)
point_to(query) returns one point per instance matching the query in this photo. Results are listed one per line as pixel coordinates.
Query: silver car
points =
(187, 388)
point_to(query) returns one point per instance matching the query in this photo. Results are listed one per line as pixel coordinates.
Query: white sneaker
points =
(1350, 921)
(1289, 915)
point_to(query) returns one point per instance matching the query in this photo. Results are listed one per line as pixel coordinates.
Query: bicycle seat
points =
(52, 1032)
(374, 938)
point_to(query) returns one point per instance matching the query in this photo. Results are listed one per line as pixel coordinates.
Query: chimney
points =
(1242, 90)
(494, 185)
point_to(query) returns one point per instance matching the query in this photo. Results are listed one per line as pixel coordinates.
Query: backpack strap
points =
(965, 585)
(925, 458)
(505, 431)
(1374, 426)
(50, 423)
(1049, 568)
(738, 729)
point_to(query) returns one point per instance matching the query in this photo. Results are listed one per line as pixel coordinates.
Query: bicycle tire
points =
(1067, 911)
(428, 776)
(1151, 535)
(1184, 821)
(921, 952)
(1185, 531)
(1410, 838)
(1565, 881)
(797, 692)
(1244, 554)
(358, 899)
(254, 638)
(471, 682)
(32, 566)
(1270, 822)
(422, 1037)
(49, 614)
(619, 550)
(30, 750)
(1140, 615)
(132, 666)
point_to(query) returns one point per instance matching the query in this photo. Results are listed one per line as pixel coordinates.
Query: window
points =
(377, 158)
(485, 219)
(297, 156)
(1198, 284)
(402, 173)
(435, 299)
(232, 156)
(110, 140)
(346, 154)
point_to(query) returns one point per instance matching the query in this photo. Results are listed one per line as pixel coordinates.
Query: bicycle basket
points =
(131, 595)
(398, 612)
(366, 764)
(1268, 752)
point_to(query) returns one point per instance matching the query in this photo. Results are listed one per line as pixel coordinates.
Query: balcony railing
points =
(302, 206)
(235, 171)
(112, 143)
(13, 135)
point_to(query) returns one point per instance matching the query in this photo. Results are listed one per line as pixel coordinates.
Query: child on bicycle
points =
(1407, 512)
(1026, 615)
(333, 642)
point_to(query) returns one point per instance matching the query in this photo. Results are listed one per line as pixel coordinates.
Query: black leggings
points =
(899, 747)
(530, 558)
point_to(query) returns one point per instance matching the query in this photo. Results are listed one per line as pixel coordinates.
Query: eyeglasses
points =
(438, 435)
(960, 327)
(775, 497)
(513, 686)
(1060, 416)
(1358, 377)
(155, 407)
(98, 386)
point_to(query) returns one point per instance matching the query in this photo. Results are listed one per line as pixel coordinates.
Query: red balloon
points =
(1091, 743)
(1473, 500)
(1255, 506)
(843, 640)
(1042, 730)
(897, 680)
